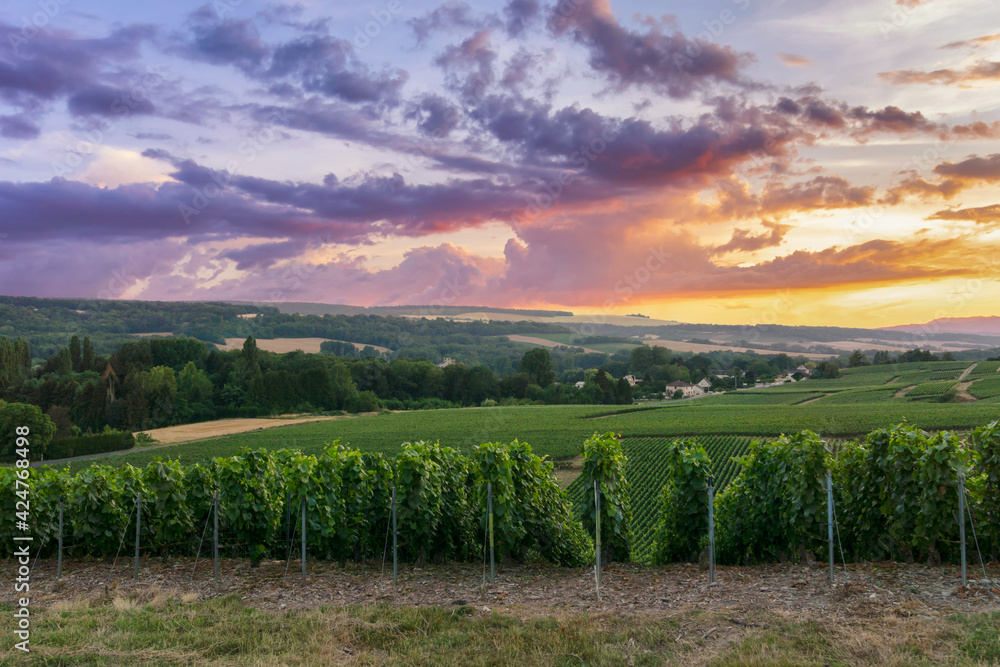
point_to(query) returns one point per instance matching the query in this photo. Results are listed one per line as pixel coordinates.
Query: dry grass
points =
(172, 435)
(133, 630)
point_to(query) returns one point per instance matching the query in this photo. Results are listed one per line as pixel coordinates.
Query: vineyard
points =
(983, 389)
(896, 492)
(930, 389)
(646, 470)
(857, 403)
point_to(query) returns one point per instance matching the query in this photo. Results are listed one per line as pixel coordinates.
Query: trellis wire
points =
(120, 545)
(200, 542)
(385, 546)
(972, 522)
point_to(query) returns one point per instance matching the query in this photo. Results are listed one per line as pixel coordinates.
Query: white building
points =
(687, 388)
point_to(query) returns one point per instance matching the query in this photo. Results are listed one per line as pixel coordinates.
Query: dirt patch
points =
(962, 394)
(864, 591)
(813, 400)
(894, 378)
(546, 343)
(966, 372)
(902, 392)
(172, 435)
(567, 471)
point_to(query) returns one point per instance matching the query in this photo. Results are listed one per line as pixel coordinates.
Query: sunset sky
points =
(732, 161)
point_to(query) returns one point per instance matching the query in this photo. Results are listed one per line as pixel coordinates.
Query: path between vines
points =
(866, 590)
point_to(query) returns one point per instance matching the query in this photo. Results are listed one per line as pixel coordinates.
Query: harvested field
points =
(171, 435)
(282, 345)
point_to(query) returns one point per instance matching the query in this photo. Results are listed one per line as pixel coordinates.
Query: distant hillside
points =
(305, 308)
(983, 326)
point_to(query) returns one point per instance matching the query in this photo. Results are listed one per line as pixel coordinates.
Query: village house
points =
(686, 387)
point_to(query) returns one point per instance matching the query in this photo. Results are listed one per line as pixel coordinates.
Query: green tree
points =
(641, 359)
(74, 353)
(15, 362)
(193, 385)
(87, 358)
(21, 415)
(623, 392)
(829, 370)
(537, 363)
(857, 358)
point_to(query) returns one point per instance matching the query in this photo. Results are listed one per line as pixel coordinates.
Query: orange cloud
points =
(987, 215)
(795, 60)
(985, 70)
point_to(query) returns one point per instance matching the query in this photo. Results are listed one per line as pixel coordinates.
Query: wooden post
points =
(711, 532)
(597, 539)
(215, 537)
(138, 520)
(59, 559)
(489, 512)
(961, 521)
(395, 563)
(303, 540)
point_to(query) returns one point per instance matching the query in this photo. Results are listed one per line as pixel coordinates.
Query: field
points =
(283, 345)
(534, 615)
(644, 470)
(558, 431)
(988, 388)
(930, 389)
(684, 346)
(548, 342)
(199, 431)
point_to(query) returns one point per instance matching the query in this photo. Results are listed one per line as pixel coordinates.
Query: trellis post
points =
(597, 539)
(138, 521)
(489, 519)
(215, 536)
(59, 559)
(711, 532)
(829, 517)
(395, 563)
(961, 521)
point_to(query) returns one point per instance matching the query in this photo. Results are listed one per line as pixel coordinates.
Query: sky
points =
(818, 162)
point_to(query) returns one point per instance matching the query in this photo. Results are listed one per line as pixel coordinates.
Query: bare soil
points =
(283, 345)
(517, 338)
(567, 471)
(172, 435)
(962, 393)
(865, 590)
(902, 392)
